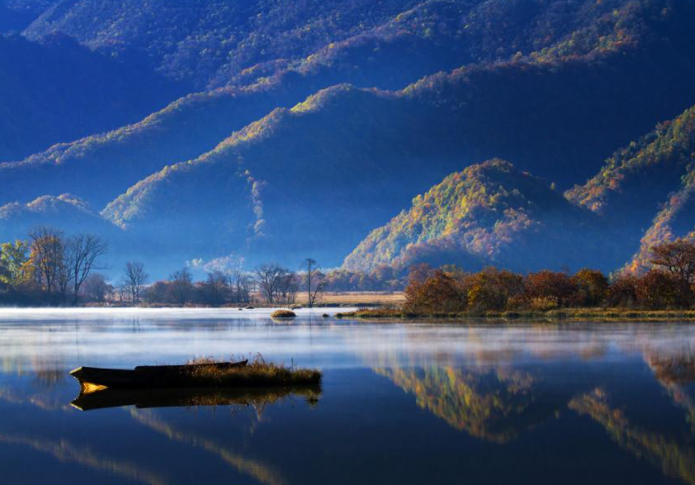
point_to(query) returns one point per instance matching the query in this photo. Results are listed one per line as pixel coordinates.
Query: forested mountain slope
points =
(489, 214)
(552, 86)
(59, 90)
(392, 56)
(646, 190)
(402, 143)
(216, 42)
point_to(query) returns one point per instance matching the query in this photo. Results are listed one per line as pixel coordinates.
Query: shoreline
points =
(565, 315)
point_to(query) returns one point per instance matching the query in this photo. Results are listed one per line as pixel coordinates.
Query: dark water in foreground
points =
(403, 404)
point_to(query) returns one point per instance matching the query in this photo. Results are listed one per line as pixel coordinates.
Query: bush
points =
(283, 314)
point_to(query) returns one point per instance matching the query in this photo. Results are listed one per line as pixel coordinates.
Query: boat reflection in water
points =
(92, 398)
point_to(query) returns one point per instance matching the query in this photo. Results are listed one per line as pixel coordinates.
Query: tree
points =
(592, 287)
(270, 276)
(134, 277)
(181, 286)
(623, 291)
(491, 289)
(96, 288)
(657, 289)
(550, 286)
(215, 290)
(287, 288)
(678, 258)
(439, 292)
(13, 262)
(48, 256)
(82, 253)
(314, 286)
(241, 284)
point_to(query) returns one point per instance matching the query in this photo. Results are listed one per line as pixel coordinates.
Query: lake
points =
(400, 403)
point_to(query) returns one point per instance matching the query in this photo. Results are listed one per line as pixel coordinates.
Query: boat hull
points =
(143, 377)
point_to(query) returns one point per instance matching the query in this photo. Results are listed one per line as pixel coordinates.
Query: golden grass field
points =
(356, 298)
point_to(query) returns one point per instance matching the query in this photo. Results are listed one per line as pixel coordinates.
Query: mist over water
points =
(400, 403)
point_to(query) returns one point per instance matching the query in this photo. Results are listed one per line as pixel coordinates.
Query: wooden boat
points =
(144, 376)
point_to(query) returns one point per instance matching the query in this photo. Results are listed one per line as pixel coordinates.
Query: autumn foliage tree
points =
(549, 288)
(678, 259)
(438, 292)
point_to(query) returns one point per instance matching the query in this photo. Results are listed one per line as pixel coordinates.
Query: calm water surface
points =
(403, 404)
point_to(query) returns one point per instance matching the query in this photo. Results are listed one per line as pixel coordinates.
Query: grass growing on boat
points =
(257, 373)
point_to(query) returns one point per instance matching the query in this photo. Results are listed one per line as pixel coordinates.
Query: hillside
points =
(208, 42)
(216, 42)
(390, 56)
(488, 214)
(435, 127)
(645, 190)
(61, 91)
(75, 215)
(237, 170)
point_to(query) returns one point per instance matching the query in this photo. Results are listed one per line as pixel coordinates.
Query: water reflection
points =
(494, 404)
(258, 470)
(158, 398)
(482, 404)
(70, 453)
(675, 457)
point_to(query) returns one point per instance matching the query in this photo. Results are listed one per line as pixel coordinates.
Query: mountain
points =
(401, 143)
(209, 42)
(61, 90)
(488, 214)
(392, 56)
(493, 214)
(216, 42)
(645, 190)
(334, 129)
(16, 220)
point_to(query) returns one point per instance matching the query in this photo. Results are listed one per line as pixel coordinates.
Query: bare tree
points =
(134, 277)
(241, 284)
(82, 253)
(181, 286)
(314, 285)
(270, 276)
(96, 288)
(216, 288)
(287, 288)
(48, 256)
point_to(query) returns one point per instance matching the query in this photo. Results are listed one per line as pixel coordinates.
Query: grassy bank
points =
(565, 314)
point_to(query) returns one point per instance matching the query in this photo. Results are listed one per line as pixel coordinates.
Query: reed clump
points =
(257, 373)
(283, 314)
